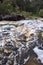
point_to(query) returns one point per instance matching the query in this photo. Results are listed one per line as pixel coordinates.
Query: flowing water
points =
(35, 26)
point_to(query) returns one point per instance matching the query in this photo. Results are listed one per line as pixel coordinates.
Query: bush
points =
(27, 14)
(41, 13)
(6, 7)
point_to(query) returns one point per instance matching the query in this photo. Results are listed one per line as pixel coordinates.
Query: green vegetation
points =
(25, 7)
(41, 13)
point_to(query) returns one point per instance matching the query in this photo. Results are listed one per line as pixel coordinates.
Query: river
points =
(9, 32)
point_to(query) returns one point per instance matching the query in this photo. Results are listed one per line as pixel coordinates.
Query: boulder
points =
(9, 18)
(12, 17)
(0, 17)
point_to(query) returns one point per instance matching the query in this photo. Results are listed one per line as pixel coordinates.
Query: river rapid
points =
(10, 34)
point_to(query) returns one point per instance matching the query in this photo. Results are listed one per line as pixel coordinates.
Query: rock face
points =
(0, 17)
(17, 44)
(12, 17)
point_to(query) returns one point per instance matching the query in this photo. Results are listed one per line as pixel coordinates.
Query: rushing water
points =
(39, 52)
(35, 25)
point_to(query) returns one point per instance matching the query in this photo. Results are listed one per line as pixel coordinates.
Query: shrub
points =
(41, 13)
(6, 7)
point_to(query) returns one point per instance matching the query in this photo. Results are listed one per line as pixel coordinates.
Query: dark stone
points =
(4, 60)
(0, 17)
(12, 17)
(20, 17)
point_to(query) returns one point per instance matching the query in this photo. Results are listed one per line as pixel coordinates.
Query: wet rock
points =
(4, 60)
(7, 51)
(9, 18)
(0, 17)
(12, 17)
(10, 62)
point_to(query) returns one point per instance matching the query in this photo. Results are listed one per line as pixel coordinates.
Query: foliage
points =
(41, 13)
(31, 6)
(6, 7)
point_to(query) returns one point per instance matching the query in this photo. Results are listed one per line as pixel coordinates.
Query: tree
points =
(6, 7)
(41, 13)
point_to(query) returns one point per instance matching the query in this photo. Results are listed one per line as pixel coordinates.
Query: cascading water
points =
(19, 41)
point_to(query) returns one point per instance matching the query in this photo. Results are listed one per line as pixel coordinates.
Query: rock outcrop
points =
(12, 17)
